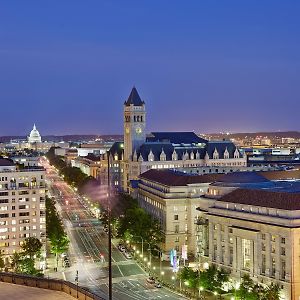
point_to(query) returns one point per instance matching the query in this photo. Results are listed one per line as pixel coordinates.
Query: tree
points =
(272, 292)
(189, 277)
(15, 261)
(32, 247)
(137, 224)
(59, 245)
(2, 263)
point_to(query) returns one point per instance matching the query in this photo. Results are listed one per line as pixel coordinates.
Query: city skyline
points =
(68, 68)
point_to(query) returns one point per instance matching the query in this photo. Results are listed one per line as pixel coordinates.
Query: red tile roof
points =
(171, 178)
(279, 200)
(281, 175)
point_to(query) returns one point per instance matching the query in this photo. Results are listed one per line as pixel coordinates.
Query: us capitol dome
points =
(34, 136)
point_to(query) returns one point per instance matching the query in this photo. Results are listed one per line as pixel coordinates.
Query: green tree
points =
(31, 247)
(15, 261)
(2, 263)
(272, 292)
(189, 277)
(59, 245)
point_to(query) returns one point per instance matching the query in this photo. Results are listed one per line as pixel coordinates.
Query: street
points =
(88, 251)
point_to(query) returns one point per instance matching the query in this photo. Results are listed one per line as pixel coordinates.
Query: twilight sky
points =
(207, 66)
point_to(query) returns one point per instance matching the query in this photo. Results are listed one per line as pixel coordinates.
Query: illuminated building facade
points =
(22, 206)
(166, 150)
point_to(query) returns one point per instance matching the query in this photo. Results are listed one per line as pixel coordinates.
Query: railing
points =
(50, 284)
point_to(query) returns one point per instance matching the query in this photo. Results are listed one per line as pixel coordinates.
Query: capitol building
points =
(32, 142)
(34, 136)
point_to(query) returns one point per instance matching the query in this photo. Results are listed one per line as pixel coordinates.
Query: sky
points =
(206, 66)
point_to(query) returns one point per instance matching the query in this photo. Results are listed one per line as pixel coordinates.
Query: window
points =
(273, 238)
(263, 236)
(273, 249)
(282, 240)
(282, 251)
(263, 264)
(263, 247)
(283, 273)
(177, 239)
(246, 244)
(176, 229)
(176, 217)
(273, 267)
(230, 256)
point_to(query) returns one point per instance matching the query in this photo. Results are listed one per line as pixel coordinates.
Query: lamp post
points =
(137, 236)
(109, 231)
(76, 280)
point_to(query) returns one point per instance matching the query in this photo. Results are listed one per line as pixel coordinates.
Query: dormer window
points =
(162, 156)
(150, 156)
(174, 155)
(216, 154)
(192, 155)
(236, 153)
(226, 154)
(185, 156)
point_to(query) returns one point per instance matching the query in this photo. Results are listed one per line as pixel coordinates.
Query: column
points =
(257, 256)
(219, 244)
(234, 262)
(239, 255)
(210, 240)
(268, 254)
(277, 257)
(226, 241)
(253, 258)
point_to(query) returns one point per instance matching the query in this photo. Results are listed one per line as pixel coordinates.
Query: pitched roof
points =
(243, 177)
(175, 178)
(4, 162)
(176, 137)
(263, 198)
(134, 98)
(221, 147)
(117, 149)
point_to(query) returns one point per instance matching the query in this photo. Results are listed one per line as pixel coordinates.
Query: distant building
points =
(34, 136)
(22, 205)
(89, 164)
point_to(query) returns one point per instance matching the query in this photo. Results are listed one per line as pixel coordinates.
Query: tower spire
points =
(134, 98)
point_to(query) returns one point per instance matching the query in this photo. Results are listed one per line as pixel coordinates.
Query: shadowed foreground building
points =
(240, 221)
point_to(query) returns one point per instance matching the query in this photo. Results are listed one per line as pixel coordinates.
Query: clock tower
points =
(134, 124)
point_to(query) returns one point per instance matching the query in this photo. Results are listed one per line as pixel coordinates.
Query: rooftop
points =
(18, 292)
(175, 178)
(5, 162)
(134, 98)
(263, 198)
(175, 137)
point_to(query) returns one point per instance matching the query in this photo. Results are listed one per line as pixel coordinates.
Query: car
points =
(67, 264)
(121, 247)
(150, 280)
(127, 255)
(158, 285)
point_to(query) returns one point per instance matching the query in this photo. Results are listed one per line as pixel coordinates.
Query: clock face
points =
(138, 130)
